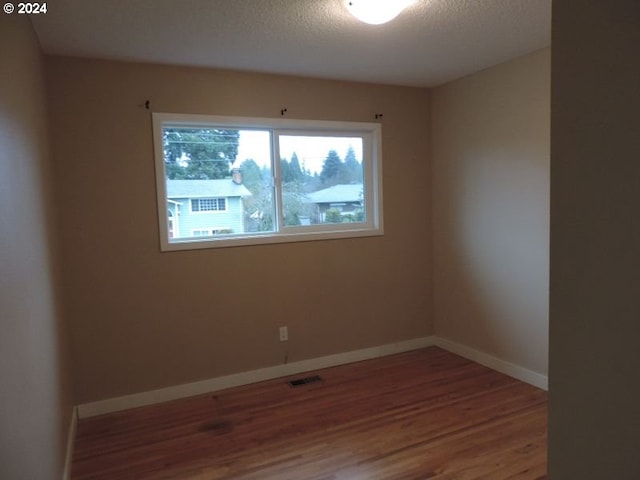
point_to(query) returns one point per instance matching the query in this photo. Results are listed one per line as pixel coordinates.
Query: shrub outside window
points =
(231, 181)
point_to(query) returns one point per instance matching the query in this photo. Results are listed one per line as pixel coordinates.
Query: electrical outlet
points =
(284, 334)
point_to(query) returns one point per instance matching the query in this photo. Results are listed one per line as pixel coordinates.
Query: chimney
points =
(236, 176)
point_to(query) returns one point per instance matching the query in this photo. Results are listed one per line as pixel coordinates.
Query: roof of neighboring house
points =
(205, 188)
(337, 194)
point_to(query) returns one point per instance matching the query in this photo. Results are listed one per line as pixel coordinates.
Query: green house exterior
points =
(198, 208)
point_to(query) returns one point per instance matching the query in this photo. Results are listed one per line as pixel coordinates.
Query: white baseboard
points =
(516, 371)
(71, 437)
(220, 383)
(245, 378)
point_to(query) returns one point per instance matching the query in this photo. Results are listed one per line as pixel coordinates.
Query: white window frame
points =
(371, 134)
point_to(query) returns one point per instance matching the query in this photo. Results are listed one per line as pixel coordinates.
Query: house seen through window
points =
(219, 183)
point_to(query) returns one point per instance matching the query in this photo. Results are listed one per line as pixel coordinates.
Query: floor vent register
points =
(299, 382)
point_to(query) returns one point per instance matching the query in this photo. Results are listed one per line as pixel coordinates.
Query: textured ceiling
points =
(431, 42)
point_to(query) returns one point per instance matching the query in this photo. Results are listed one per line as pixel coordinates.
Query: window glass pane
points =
(254, 162)
(218, 181)
(322, 179)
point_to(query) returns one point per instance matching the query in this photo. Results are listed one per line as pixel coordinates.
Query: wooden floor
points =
(426, 414)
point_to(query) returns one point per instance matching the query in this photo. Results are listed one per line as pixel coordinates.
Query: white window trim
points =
(372, 149)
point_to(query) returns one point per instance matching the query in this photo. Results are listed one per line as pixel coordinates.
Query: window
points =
(205, 232)
(228, 181)
(208, 204)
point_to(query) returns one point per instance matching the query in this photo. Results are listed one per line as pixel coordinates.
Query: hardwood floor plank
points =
(427, 414)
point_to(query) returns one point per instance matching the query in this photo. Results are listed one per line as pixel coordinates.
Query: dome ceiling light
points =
(376, 12)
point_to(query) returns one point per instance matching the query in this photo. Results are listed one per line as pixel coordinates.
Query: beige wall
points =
(595, 241)
(490, 147)
(142, 319)
(35, 397)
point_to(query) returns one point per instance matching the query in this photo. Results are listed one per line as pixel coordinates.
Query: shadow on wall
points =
(491, 177)
(491, 258)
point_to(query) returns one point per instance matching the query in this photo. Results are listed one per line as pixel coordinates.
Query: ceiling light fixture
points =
(376, 12)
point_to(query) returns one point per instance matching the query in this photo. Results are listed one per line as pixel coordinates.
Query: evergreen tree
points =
(330, 169)
(291, 170)
(296, 172)
(351, 169)
(285, 171)
(258, 207)
(251, 176)
(199, 153)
